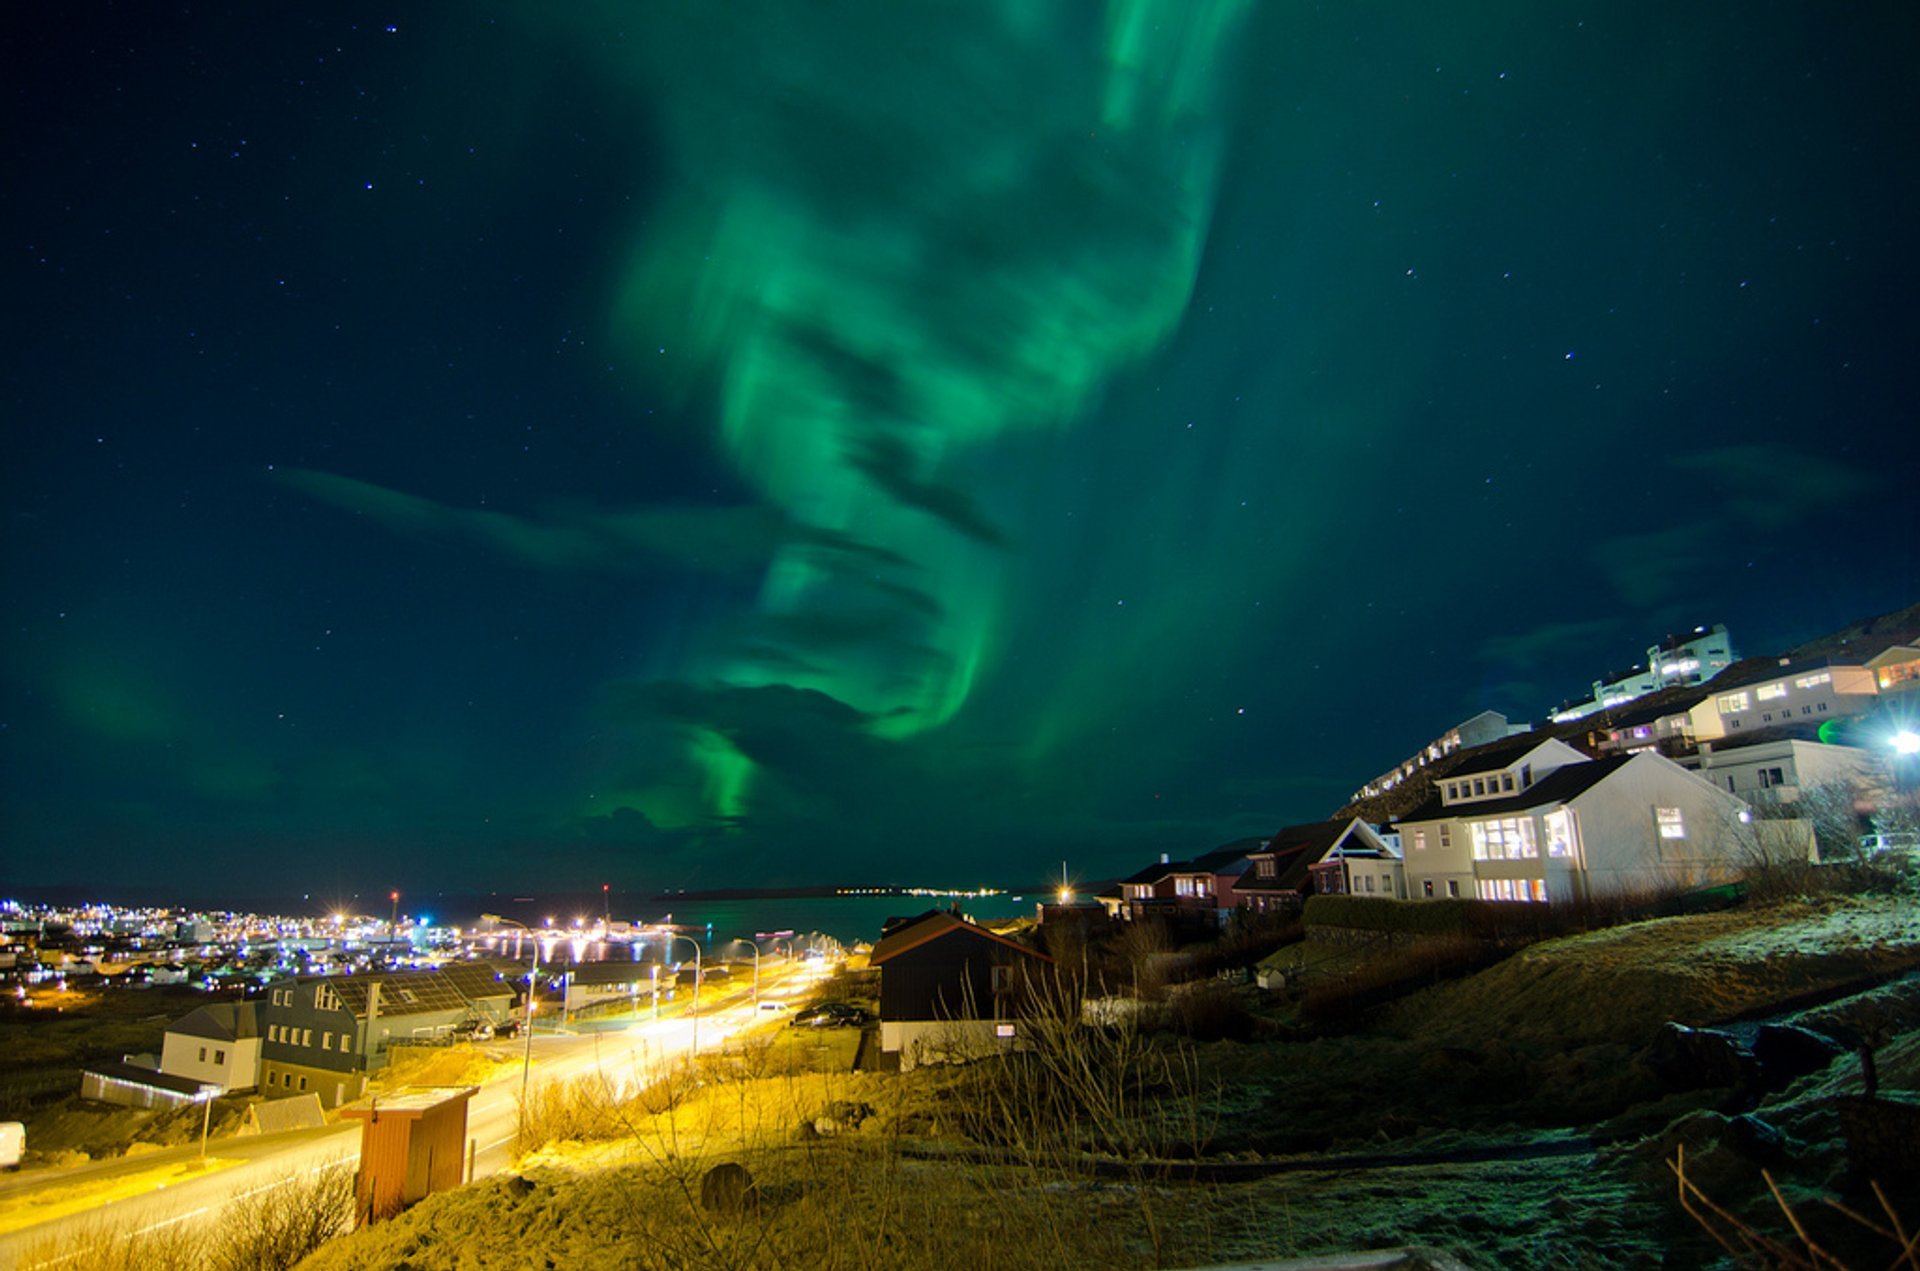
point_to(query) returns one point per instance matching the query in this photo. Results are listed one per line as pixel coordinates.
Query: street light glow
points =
(1906, 742)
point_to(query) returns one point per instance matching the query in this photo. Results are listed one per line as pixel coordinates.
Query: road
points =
(627, 1052)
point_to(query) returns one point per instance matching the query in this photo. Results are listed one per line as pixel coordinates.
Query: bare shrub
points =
(272, 1228)
(275, 1227)
(1836, 1237)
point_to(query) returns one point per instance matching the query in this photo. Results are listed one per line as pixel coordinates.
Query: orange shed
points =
(412, 1143)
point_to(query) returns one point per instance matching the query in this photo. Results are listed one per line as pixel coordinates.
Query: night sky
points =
(700, 444)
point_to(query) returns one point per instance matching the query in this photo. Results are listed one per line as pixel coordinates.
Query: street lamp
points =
(756, 967)
(206, 1097)
(533, 986)
(1906, 743)
(697, 975)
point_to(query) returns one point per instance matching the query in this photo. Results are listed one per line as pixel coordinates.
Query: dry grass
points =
(271, 1229)
(1619, 985)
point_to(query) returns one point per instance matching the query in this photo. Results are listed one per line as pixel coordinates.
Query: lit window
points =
(1770, 692)
(1559, 827)
(1507, 839)
(1419, 840)
(1539, 888)
(1003, 1030)
(326, 1041)
(1814, 681)
(1734, 702)
(1672, 824)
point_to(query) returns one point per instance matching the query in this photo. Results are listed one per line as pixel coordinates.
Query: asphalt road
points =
(626, 1052)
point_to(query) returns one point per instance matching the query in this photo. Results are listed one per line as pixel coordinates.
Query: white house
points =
(1584, 827)
(1776, 769)
(218, 1043)
(1790, 693)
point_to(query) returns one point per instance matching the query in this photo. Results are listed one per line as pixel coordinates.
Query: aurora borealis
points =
(699, 444)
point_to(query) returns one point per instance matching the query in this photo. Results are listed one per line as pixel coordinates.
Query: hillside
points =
(1455, 1121)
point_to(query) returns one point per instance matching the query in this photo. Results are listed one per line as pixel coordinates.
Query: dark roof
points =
(1647, 714)
(219, 1021)
(415, 992)
(1320, 835)
(1152, 873)
(936, 926)
(1496, 755)
(1289, 872)
(134, 1074)
(1557, 786)
(1221, 860)
(1759, 670)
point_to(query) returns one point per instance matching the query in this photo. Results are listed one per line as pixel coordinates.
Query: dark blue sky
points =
(452, 444)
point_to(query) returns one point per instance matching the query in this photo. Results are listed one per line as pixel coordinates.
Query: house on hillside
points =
(951, 989)
(1768, 768)
(1663, 725)
(1195, 892)
(1896, 669)
(1811, 691)
(326, 1034)
(217, 1043)
(1338, 857)
(1577, 828)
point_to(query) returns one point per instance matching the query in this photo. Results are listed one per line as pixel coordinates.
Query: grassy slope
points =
(1622, 984)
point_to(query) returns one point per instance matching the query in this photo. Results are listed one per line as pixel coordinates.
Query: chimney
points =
(373, 1003)
(1165, 859)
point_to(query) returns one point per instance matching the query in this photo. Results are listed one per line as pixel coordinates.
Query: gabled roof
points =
(219, 1021)
(1557, 786)
(937, 926)
(1314, 834)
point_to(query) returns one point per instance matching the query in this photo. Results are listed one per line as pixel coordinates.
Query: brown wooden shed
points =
(412, 1143)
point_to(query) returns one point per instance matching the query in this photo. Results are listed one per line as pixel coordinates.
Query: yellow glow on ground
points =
(43, 1204)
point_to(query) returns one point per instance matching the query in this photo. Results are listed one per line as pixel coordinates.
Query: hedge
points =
(1484, 919)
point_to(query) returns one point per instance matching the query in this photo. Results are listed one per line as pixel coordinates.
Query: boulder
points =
(728, 1188)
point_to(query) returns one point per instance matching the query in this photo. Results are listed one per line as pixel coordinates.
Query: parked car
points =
(831, 1015)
